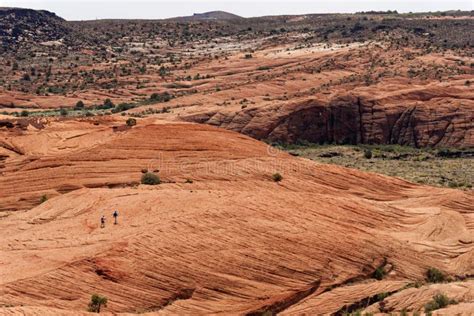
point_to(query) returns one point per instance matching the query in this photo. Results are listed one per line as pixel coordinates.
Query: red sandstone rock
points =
(232, 242)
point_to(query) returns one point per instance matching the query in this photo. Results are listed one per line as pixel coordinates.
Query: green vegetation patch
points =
(445, 167)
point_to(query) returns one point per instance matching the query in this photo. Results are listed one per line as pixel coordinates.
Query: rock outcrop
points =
(18, 25)
(420, 117)
(218, 235)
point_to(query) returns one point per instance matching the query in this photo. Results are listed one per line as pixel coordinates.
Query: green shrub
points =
(379, 273)
(150, 178)
(96, 303)
(368, 154)
(439, 301)
(79, 105)
(108, 104)
(63, 112)
(434, 275)
(163, 97)
(277, 177)
(43, 198)
(123, 107)
(382, 296)
(131, 122)
(453, 184)
(163, 71)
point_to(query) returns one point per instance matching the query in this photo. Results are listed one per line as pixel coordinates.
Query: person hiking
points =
(102, 221)
(115, 215)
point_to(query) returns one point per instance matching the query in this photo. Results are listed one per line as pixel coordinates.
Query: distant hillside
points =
(26, 25)
(28, 30)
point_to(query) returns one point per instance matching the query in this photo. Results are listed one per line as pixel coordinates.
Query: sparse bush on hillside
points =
(63, 112)
(150, 178)
(382, 296)
(368, 154)
(131, 122)
(439, 301)
(379, 273)
(277, 177)
(96, 303)
(163, 71)
(434, 275)
(79, 105)
(122, 107)
(43, 199)
(356, 313)
(163, 97)
(108, 104)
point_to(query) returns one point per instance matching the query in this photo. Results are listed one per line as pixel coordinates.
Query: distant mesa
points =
(212, 15)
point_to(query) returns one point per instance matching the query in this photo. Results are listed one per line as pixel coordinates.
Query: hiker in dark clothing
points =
(115, 215)
(102, 221)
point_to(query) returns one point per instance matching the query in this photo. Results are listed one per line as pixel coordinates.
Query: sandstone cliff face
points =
(358, 120)
(418, 117)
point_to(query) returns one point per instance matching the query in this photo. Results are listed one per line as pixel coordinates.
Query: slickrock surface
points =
(414, 299)
(231, 242)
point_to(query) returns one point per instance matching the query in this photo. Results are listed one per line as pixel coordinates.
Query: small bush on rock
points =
(439, 301)
(131, 122)
(96, 303)
(150, 178)
(277, 177)
(379, 273)
(434, 275)
(43, 199)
